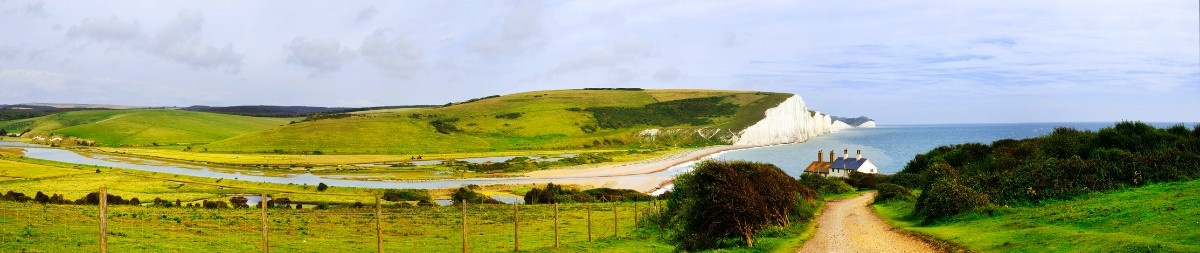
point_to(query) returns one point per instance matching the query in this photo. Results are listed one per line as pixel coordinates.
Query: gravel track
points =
(849, 225)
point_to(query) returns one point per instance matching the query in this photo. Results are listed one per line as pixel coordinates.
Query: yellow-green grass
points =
(293, 159)
(58, 228)
(1156, 218)
(545, 124)
(144, 127)
(77, 181)
(10, 170)
(52, 228)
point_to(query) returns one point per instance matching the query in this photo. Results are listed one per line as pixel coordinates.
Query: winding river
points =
(67, 156)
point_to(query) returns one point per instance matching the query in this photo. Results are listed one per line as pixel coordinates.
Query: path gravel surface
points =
(849, 225)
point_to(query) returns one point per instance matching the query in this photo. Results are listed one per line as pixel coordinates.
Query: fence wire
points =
(489, 228)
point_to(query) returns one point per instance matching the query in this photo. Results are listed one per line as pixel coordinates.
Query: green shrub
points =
(322, 187)
(720, 203)
(825, 185)
(947, 198)
(892, 191)
(406, 195)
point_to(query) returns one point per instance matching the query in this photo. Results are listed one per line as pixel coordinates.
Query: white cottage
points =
(841, 166)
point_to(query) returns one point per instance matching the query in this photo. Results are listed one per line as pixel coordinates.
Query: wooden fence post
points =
(635, 212)
(378, 225)
(615, 219)
(464, 224)
(263, 204)
(516, 227)
(556, 225)
(103, 220)
(589, 218)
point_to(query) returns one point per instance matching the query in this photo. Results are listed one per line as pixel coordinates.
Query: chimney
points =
(831, 155)
(860, 154)
(821, 156)
(846, 153)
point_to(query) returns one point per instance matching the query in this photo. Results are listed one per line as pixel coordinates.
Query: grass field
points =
(544, 123)
(30, 227)
(1156, 218)
(144, 127)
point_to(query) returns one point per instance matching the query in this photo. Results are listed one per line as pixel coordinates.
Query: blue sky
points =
(901, 62)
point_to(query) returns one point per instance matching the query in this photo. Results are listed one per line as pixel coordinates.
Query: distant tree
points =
(41, 198)
(134, 202)
(468, 195)
(239, 202)
(3, 132)
(322, 187)
(406, 195)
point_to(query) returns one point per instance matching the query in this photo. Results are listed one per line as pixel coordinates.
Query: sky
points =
(899, 62)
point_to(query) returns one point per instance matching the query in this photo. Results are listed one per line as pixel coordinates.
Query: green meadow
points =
(541, 120)
(1161, 217)
(143, 127)
(33, 227)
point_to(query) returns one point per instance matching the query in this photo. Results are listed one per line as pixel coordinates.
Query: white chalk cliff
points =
(789, 122)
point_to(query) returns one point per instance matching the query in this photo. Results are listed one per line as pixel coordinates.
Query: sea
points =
(890, 147)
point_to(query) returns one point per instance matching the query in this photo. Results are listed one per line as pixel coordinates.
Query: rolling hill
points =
(540, 120)
(142, 127)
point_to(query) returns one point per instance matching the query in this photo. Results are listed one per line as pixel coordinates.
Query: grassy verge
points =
(1155, 218)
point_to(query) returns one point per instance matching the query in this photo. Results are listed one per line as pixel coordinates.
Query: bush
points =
(41, 198)
(322, 187)
(239, 202)
(718, 202)
(16, 196)
(947, 198)
(445, 126)
(470, 196)
(865, 180)
(406, 195)
(1063, 164)
(825, 185)
(892, 191)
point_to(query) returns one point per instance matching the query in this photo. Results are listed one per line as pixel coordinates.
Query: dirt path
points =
(850, 225)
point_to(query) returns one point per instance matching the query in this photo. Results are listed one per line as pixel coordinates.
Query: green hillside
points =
(541, 120)
(142, 127)
(1156, 218)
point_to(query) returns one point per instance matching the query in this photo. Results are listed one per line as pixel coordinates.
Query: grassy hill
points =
(541, 120)
(143, 127)
(1155, 218)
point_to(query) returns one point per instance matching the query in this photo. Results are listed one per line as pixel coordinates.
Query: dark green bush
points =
(892, 191)
(406, 195)
(721, 202)
(1060, 165)
(946, 198)
(322, 187)
(825, 185)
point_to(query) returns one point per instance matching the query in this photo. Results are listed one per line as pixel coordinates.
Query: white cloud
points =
(318, 55)
(515, 34)
(391, 53)
(182, 41)
(101, 29)
(367, 14)
(24, 79)
(616, 59)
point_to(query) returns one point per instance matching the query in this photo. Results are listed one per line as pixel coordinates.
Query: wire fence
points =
(375, 228)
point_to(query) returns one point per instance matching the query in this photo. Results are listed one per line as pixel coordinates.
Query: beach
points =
(638, 175)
